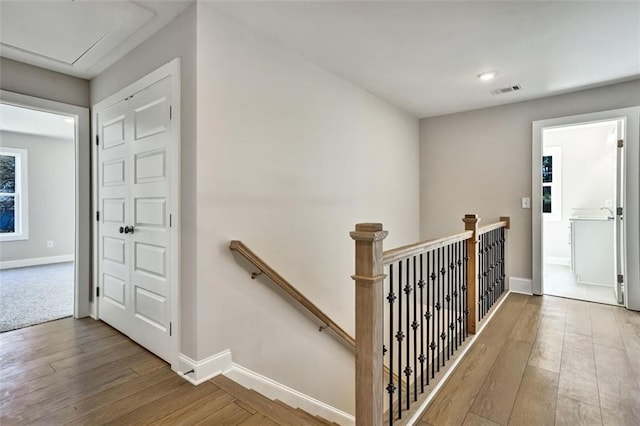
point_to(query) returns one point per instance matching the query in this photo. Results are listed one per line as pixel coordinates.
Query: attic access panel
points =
(71, 32)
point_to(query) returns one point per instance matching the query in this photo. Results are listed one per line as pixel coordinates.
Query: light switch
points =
(526, 202)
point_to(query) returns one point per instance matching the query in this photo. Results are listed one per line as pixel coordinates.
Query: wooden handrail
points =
(400, 253)
(503, 223)
(290, 290)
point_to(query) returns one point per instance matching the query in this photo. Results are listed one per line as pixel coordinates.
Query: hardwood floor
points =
(547, 361)
(83, 372)
(540, 361)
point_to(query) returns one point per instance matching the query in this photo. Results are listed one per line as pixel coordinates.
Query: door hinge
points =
(170, 329)
(620, 278)
(97, 291)
(170, 112)
(620, 143)
(97, 140)
(619, 211)
(97, 216)
(170, 220)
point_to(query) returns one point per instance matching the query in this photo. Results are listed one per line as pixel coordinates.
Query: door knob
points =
(128, 229)
(121, 230)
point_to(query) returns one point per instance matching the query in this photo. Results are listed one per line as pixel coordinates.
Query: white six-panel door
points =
(134, 227)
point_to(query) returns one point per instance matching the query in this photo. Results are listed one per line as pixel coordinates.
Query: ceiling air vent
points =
(507, 89)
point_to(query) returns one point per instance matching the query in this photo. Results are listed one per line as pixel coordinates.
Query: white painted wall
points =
(290, 157)
(40, 83)
(177, 39)
(588, 179)
(51, 193)
(480, 162)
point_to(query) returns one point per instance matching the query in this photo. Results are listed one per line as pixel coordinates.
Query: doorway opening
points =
(37, 216)
(580, 194)
(44, 211)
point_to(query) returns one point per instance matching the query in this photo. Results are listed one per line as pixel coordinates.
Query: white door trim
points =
(172, 70)
(82, 289)
(631, 213)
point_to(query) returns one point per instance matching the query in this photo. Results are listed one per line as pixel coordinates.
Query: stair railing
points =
(415, 307)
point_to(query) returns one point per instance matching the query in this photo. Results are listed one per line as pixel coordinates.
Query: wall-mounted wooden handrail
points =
(400, 253)
(290, 290)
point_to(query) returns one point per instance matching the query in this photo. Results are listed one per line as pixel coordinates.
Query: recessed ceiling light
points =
(486, 76)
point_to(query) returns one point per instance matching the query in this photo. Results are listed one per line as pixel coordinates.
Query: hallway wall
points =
(290, 158)
(51, 191)
(484, 156)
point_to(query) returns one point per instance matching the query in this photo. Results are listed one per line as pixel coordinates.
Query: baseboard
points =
(521, 285)
(35, 261)
(274, 390)
(197, 372)
(554, 260)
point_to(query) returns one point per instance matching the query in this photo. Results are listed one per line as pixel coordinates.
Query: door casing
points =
(82, 257)
(631, 188)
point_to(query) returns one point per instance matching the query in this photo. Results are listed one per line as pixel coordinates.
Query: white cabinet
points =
(592, 251)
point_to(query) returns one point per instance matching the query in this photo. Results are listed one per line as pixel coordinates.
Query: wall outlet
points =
(526, 202)
(49, 244)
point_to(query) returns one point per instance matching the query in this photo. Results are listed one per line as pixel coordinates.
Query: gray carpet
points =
(35, 294)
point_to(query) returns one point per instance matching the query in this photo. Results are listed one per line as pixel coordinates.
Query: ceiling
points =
(79, 37)
(25, 120)
(424, 56)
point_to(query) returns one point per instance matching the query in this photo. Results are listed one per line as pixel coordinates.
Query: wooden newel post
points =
(471, 224)
(369, 278)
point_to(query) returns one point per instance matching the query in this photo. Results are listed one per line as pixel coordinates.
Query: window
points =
(13, 194)
(551, 184)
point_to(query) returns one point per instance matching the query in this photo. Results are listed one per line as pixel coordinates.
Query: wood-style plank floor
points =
(83, 372)
(540, 361)
(546, 361)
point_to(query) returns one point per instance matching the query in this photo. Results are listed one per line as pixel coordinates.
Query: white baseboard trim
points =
(274, 390)
(553, 260)
(521, 285)
(197, 372)
(35, 261)
(419, 412)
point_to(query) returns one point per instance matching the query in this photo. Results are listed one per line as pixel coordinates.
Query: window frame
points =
(21, 195)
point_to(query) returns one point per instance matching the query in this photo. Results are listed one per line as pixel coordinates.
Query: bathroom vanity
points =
(593, 250)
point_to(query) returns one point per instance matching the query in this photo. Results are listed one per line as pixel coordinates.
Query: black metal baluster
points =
(494, 290)
(443, 271)
(422, 357)
(450, 301)
(431, 311)
(391, 388)
(456, 293)
(465, 272)
(437, 336)
(400, 338)
(415, 325)
(407, 367)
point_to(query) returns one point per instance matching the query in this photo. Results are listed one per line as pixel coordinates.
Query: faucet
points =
(609, 210)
